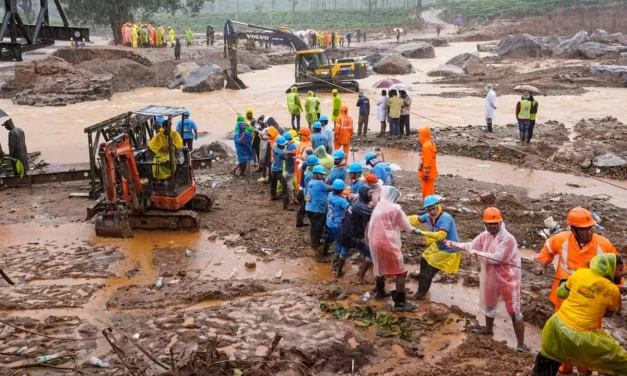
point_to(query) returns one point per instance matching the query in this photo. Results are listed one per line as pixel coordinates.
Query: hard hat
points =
(370, 156)
(249, 110)
(339, 154)
(371, 179)
(338, 185)
(334, 91)
(492, 215)
(304, 131)
(344, 108)
(281, 141)
(186, 113)
(324, 118)
(355, 167)
(580, 217)
(312, 160)
(430, 201)
(287, 136)
(319, 170)
(292, 147)
(317, 125)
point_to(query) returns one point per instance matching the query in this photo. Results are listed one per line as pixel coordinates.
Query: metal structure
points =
(39, 35)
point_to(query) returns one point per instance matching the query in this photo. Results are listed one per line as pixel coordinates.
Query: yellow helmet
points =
(334, 91)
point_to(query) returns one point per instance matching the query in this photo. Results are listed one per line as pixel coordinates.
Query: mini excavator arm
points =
(120, 150)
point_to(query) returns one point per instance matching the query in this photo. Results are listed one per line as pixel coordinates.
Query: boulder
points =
(609, 160)
(183, 70)
(522, 45)
(594, 50)
(219, 149)
(375, 58)
(622, 58)
(243, 68)
(209, 77)
(552, 41)
(610, 71)
(570, 47)
(393, 64)
(419, 50)
(435, 42)
(487, 198)
(446, 71)
(618, 38)
(255, 61)
(600, 35)
(488, 47)
(474, 65)
(459, 60)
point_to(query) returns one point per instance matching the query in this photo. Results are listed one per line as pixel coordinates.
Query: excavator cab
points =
(313, 71)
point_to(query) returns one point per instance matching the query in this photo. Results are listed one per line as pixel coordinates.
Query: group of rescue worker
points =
(308, 169)
(330, 40)
(183, 134)
(146, 36)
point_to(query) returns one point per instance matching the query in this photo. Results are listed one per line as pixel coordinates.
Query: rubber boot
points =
(379, 288)
(400, 304)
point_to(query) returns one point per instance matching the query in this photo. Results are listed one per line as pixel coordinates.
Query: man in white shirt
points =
(490, 106)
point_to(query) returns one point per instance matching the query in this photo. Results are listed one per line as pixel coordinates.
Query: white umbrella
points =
(398, 29)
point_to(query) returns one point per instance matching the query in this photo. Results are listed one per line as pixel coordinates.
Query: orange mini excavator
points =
(134, 198)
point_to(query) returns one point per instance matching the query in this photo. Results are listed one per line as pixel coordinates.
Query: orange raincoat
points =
(343, 131)
(427, 167)
(305, 142)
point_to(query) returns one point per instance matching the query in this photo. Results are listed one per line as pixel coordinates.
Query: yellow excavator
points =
(312, 68)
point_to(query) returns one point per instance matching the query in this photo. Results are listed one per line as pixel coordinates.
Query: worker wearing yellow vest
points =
(295, 107)
(337, 105)
(523, 114)
(312, 104)
(532, 118)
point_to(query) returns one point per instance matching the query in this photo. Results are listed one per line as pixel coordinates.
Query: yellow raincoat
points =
(172, 35)
(135, 37)
(573, 334)
(160, 36)
(163, 157)
(312, 104)
(337, 105)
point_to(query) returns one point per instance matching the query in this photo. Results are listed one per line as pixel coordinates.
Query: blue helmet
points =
(355, 167)
(159, 120)
(287, 136)
(430, 201)
(339, 154)
(338, 185)
(319, 170)
(324, 118)
(292, 147)
(312, 160)
(281, 141)
(370, 156)
(317, 125)
(186, 113)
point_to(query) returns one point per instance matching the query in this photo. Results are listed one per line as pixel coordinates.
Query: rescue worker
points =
(159, 147)
(333, 40)
(307, 174)
(523, 115)
(344, 131)
(318, 104)
(171, 35)
(500, 272)
(427, 167)
(339, 169)
(384, 240)
(532, 117)
(356, 180)
(337, 205)
(144, 37)
(290, 172)
(318, 139)
(316, 206)
(294, 107)
(210, 35)
(353, 235)
(17, 148)
(189, 37)
(276, 176)
(312, 104)
(325, 159)
(364, 113)
(243, 148)
(490, 107)
(329, 132)
(160, 36)
(177, 50)
(123, 34)
(573, 335)
(134, 36)
(438, 256)
(152, 35)
(337, 105)
(188, 130)
(380, 168)
(382, 111)
(305, 143)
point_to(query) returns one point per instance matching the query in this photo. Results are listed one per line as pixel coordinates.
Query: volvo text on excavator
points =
(136, 193)
(312, 68)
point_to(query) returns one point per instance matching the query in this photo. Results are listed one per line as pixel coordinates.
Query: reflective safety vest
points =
(525, 110)
(292, 104)
(312, 104)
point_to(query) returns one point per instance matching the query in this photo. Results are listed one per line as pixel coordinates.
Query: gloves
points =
(473, 253)
(196, 137)
(418, 231)
(425, 178)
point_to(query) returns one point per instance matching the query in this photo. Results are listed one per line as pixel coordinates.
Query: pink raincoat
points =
(384, 234)
(498, 280)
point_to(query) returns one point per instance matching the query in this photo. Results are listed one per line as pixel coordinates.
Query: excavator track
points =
(202, 202)
(186, 220)
(347, 86)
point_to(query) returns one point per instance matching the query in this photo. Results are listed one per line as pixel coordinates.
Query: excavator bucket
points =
(113, 225)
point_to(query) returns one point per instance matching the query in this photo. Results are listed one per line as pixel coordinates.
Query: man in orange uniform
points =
(344, 131)
(427, 167)
(575, 249)
(305, 142)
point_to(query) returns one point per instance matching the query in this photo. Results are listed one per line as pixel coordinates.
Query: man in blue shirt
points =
(290, 172)
(318, 139)
(307, 175)
(188, 131)
(278, 157)
(364, 112)
(335, 214)
(316, 206)
(339, 169)
(356, 180)
(380, 168)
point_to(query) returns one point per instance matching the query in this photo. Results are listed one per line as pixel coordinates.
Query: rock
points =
(243, 68)
(460, 59)
(446, 71)
(474, 65)
(176, 83)
(594, 50)
(569, 47)
(183, 70)
(488, 47)
(600, 35)
(375, 58)
(79, 55)
(586, 163)
(255, 61)
(622, 58)
(209, 77)
(435, 42)
(419, 50)
(250, 265)
(618, 38)
(487, 198)
(219, 149)
(610, 71)
(553, 41)
(393, 64)
(522, 45)
(609, 160)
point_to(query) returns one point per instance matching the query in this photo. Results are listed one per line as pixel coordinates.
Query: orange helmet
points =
(304, 131)
(371, 179)
(344, 109)
(492, 215)
(580, 217)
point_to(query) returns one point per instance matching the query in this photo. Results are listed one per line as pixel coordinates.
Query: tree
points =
(294, 3)
(117, 12)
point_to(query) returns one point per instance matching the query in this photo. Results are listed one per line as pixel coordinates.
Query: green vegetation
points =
(304, 19)
(385, 324)
(483, 10)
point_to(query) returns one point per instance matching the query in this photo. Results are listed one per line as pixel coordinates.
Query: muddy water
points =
(537, 182)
